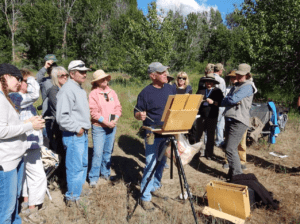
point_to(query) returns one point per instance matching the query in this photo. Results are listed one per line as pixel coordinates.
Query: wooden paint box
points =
(230, 198)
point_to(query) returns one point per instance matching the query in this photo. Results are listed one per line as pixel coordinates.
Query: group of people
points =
(221, 111)
(67, 115)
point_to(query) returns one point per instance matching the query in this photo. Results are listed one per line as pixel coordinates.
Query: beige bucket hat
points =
(100, 74)
(243, 69)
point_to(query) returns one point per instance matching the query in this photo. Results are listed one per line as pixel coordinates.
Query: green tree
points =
(271, 40)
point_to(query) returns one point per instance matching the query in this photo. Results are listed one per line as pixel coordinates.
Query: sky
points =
(187, 6)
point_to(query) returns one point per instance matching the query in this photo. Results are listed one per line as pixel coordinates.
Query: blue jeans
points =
(76, 163)
(10, 191)
(152, 153)
(103, 140)
(220, 127)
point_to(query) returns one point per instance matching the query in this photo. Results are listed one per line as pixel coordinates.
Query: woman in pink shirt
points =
(105, 111)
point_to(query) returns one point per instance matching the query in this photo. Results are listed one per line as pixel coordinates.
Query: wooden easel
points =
(179, 114)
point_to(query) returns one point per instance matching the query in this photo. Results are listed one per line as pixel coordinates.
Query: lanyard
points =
(207, 95)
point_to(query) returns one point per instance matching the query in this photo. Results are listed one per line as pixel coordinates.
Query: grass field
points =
(111, 202)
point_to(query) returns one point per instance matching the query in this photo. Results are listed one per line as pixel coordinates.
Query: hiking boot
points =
(226, 166)
(159, 194)
(85, 192)
(147, 206)
(243, 166)
(81, 202)
(93, 184)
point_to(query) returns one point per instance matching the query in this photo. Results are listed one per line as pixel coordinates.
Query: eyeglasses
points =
(106, 96)
(82, 72)
(181, 78)
(64, 76)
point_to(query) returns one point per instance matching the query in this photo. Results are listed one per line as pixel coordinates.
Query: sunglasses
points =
(181, 78)
(64, 76)
(106, 96)
(82, 72)
(78, 66)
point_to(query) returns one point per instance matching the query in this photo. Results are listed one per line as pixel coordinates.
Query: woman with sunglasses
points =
(13, 144)
(105, 111)
(182, 84)
(59, 76)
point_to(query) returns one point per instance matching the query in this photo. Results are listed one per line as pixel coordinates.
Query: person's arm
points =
(52, 100)
(32, 94)
(233, 99)
(40, 75)
(65, 104)
(140, 114)
(11, 131)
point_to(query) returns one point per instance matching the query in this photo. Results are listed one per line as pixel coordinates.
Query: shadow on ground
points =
(257, 161)
(197, 164)
(132, 146)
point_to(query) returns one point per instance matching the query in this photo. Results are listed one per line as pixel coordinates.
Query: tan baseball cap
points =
(243, 69)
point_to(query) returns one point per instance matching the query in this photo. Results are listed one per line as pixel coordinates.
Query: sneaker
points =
(85, 192)
(243, 166)
(93, 184)
(104, 177)
(147, 206)
(226, 166)
(202, 152)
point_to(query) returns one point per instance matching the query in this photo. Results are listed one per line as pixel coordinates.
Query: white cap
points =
(77, 65)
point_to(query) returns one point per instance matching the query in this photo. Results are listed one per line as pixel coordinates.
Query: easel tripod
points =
(181, 173)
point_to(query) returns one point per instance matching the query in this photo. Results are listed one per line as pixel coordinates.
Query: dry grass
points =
(112, 202)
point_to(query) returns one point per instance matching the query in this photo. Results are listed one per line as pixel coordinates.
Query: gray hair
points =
(55, 72)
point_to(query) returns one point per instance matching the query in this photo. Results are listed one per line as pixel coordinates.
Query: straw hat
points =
(100, 74)
(231, 74)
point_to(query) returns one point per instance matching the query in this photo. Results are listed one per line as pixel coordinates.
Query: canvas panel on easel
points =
(179, 120)
(179, 101)
(193, 102)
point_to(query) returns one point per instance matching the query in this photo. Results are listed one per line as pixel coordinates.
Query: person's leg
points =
(236, 130)
(85, 156)
(210, 128)
(220, 127)
(242, 149)
(99, 136)
(107, 151)
(8, 195)
(151, 153)
(75, 150)
(35, 178)
(159, 171)
(200, 128)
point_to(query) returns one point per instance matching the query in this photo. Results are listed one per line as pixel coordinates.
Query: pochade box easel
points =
(178, 117)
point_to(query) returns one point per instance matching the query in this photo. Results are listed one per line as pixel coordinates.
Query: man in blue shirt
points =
(237, 116)
(150, 106)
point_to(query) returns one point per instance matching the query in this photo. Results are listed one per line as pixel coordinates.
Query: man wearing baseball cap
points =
(73, 118)
(149, 108)
(237, 116)
(218, 70)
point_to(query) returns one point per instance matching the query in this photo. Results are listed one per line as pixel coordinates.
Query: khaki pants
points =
(241, 150)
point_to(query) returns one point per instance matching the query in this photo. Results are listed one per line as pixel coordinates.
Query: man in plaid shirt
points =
(35, 183)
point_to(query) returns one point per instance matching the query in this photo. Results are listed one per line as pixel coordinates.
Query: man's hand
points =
(141, 115)
(48, 64)
(80, 133)
(38, 122)
(111, 124)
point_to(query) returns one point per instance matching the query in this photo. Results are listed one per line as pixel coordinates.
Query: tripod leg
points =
(177, 164)
(171, 164)
(181, 171)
